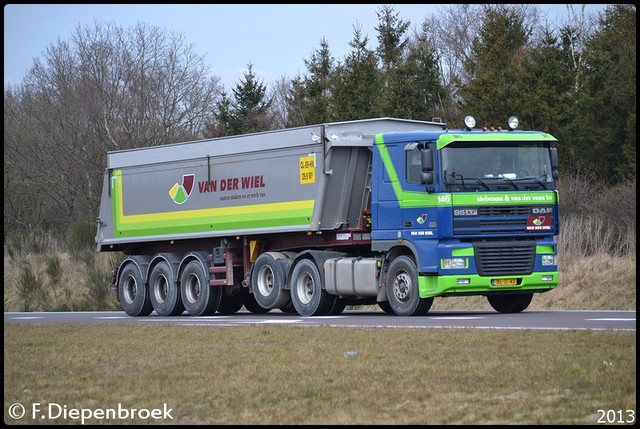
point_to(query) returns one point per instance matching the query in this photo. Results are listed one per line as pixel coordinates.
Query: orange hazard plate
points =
(505, 282)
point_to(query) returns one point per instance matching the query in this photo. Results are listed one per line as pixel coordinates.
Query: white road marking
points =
(612, 319)
(265, 322)
(456, 318)
(112, 317)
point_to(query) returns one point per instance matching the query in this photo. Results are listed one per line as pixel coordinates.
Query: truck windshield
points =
(518, 165)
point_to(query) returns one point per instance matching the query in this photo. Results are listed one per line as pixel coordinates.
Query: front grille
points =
(494, 226)
(504, 211)
(502, 258)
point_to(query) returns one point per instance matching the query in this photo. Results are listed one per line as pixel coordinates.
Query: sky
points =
(275, 39)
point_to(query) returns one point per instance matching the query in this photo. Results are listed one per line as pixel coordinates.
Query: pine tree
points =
(607, 120)
(250, 108)
(310, 99)
(414, 85)
(223, 125)
(391, 37)
(493, 68)
(357, 82)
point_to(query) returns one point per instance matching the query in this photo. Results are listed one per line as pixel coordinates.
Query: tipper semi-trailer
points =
(308, 220)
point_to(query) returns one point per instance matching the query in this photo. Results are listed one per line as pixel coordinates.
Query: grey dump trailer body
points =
(301, 179)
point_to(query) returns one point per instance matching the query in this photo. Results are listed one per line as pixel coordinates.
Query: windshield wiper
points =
(481, 182)
(541, 183)
(462, 179)
(510, 181)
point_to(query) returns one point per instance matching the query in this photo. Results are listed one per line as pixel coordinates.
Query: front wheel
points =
(510, 303)
(402, 289)
(384, 306)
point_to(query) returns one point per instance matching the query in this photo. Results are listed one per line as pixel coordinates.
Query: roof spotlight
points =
(513, 123)
(469, 122)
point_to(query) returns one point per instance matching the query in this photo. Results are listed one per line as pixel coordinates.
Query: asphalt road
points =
(546, 320)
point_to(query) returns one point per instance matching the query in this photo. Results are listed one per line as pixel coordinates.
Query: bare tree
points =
(108, 88)
(452, 30)
(279, 93)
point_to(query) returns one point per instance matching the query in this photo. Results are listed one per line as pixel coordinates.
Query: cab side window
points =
(413, 166)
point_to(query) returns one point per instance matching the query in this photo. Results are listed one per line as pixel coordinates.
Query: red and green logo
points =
(180, 192)
(539, 223)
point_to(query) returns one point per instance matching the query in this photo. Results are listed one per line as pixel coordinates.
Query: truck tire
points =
(402, 289)
(133, 293)
(268, 278)
(198, 297)
(384, 306)
(164, 292)
(338, 307)
(250, 303)
(231, 301)
(307, 295)
(288, 308)
(510, 303)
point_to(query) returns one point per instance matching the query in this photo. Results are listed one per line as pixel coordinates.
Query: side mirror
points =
(426, 158)
(426, 178)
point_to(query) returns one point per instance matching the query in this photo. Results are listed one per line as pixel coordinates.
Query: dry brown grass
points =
(72, 292)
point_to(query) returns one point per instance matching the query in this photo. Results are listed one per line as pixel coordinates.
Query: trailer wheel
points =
(402, 289)
(231, 300)
(164, 292)
(268, 279)
(510, 303)
(132, 292)
(198, 297)
(250, 303)
(307, 295)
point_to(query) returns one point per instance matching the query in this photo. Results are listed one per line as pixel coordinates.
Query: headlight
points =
(548, 260)
(454, 264)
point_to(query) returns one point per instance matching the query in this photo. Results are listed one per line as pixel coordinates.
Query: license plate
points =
(505, 282)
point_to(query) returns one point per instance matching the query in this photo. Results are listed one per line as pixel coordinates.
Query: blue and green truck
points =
(388, 212)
